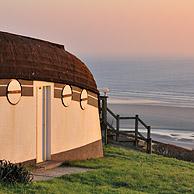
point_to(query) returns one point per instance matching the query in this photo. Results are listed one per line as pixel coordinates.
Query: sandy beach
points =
(173, 125)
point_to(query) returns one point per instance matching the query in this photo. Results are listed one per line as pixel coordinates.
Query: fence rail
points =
(135, 134)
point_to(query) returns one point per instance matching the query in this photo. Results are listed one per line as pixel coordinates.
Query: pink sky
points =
(119, 28)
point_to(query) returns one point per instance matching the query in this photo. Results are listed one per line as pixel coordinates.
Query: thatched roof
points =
(32, 59)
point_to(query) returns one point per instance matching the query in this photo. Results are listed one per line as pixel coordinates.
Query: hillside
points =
(120, 171)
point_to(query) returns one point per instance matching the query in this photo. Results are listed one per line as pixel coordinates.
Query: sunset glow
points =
(111, 27)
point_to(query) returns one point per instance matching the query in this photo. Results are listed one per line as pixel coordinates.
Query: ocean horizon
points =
(160, 90)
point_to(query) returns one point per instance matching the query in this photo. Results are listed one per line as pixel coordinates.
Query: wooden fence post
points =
(149, 141)
(117, 127)
(104, 118)
(136, 130)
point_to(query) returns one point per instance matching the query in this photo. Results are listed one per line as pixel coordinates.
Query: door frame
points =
(43, 120)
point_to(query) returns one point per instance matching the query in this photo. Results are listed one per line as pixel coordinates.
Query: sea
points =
(159, 89)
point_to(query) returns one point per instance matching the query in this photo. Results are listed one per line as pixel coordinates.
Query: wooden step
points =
(47, 165)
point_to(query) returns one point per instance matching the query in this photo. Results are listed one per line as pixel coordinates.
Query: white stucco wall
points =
(17, 130)
(71, 127)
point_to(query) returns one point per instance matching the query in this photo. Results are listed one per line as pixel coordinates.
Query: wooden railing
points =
(135, 134)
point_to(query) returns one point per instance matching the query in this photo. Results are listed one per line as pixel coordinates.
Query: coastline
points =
(170, 125)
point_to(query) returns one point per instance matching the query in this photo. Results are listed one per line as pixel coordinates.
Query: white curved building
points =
(48, 103)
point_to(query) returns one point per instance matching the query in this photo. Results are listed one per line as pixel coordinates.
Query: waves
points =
(163, 98)
(180, 138)
(164, 81)
(160, 90)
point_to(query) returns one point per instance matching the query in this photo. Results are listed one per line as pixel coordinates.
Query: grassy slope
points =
(121, 171)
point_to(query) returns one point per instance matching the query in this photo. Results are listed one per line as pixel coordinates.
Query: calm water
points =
(165, 81)
(161, 90)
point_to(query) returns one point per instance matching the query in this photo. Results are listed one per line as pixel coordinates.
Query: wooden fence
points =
(117, 129)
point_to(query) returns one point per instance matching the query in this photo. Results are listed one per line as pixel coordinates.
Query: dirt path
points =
(44, 175)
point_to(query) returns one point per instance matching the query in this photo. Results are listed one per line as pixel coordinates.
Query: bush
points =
(14, 173)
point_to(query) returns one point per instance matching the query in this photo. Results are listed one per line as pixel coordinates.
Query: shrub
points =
(14, 173)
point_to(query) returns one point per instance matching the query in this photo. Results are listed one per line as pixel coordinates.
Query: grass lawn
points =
(120, 171)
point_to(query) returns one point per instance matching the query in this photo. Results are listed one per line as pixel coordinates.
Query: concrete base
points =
(92, 150)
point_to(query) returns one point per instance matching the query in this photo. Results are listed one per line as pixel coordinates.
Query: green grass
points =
(120, 171)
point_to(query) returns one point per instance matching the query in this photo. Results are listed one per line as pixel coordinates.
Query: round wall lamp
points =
(84, 99)
(66, 95)
(14, 92)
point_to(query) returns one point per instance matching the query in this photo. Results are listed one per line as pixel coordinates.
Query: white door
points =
(43, 124)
